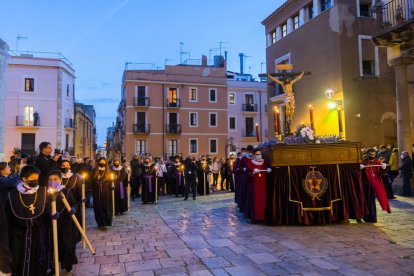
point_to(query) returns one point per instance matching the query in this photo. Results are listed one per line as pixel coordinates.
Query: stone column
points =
(278, 33)
(301, 16)
(289, 24)
(403, 106)
(3, 68)
(316, 8)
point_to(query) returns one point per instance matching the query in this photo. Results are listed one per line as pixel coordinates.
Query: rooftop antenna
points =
(18, 38)
(261, 67)
(182, 52)
(220, 43)
(209, 52)
(166, 60)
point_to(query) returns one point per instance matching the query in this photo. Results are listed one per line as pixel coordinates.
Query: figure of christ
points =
(287, 85)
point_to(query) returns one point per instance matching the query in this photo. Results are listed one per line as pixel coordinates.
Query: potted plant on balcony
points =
(386, 25)
(399, 15)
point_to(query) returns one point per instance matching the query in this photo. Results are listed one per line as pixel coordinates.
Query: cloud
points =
(102, 100)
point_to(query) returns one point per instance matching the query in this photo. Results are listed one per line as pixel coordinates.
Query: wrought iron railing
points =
(249, 107)
(28, 122)
(145, 102)
(141, 129)
(173, 128)
(392, 14)
(172, 102)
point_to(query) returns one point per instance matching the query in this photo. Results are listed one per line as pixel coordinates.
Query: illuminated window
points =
(28, 115)
(28, 84)
(231, 98)
(172, 96)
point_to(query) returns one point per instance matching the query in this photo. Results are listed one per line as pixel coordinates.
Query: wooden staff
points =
(83, 208)
(204, 179)
(129, 189)
(113, 195)
(75, 220)
(156, 186)
(55, 233)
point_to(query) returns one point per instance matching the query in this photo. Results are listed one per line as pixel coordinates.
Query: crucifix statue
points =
(287, 82)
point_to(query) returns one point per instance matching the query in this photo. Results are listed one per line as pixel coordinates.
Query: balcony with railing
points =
(173, 128)
(172, 103)
(23, 121)
(394, 22)
(69, 123)
(249, 107)
(249, 133)
(141, 129)
(142, 102)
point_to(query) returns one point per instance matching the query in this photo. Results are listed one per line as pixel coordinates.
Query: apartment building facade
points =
(180, 110)
(85, 131)
(247, 106)
(332, 40)
(39, 103)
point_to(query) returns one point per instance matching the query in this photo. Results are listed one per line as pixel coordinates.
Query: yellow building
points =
(85, 131)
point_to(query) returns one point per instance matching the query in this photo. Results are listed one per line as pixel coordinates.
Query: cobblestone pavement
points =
(210, 237)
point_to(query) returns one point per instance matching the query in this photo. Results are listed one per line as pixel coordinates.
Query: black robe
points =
(121, 184)
(5, 256)
(148, 187)
(30, 234)
(68, 233)
(203, 170)
(102, 199)
(178, 180)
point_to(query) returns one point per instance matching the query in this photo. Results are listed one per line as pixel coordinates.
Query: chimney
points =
(225, 55)
(241, 55)
(203, 61)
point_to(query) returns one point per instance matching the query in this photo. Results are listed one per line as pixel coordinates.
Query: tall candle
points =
(278, 121)
(257, 133)
(275, 121)
(341, 129)
(311, 116)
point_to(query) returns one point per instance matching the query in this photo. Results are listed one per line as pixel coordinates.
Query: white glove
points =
(384, 166)
(255, 171)
(362, 166)
(269, 170)
(244, 169)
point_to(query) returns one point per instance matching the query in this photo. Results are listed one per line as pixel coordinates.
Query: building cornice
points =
(177, 83)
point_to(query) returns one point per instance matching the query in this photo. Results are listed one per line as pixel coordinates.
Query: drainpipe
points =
(163, 122)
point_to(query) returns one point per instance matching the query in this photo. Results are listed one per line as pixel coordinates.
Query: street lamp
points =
(338, 105)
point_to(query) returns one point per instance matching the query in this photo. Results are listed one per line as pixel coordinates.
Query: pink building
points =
(247, 106)
(39, 103)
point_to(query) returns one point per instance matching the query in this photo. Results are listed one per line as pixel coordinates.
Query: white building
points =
(3, 68)
(39, 103)
(247, 106)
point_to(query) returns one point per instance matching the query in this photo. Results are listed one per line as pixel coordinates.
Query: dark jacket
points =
(406, 167)
(7, 184)
(45, 164)
(5, 255)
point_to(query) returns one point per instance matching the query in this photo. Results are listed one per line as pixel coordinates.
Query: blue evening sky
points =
(99, 36)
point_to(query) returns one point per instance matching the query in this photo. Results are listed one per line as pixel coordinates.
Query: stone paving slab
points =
(210, 236)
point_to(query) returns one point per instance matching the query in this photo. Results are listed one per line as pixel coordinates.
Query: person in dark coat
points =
(136, 176)
(68, 234)
(45, 162)
(121, 184)
(28, 215)
(5, 256)
(406, 167)
(190, 178)
(8, 182)
(102, 194)
(203, 172)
